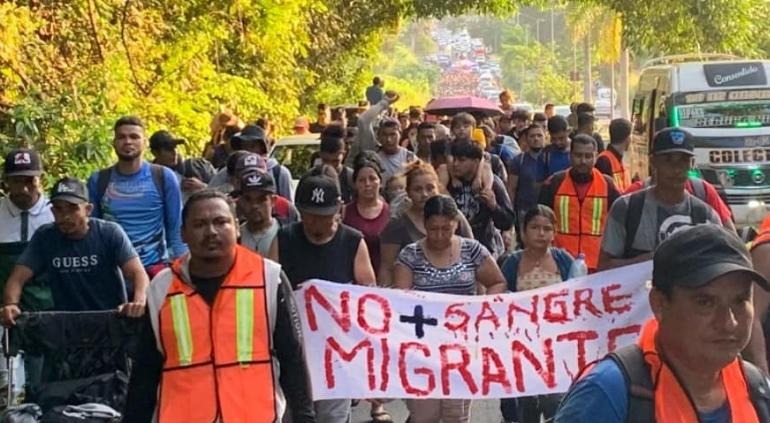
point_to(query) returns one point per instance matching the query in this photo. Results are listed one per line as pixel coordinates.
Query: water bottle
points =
(578, 267)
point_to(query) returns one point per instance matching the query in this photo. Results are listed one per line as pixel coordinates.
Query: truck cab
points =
(724, 102)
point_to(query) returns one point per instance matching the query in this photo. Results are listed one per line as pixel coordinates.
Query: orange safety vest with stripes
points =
(764, 234)
(218, 363)
(579, 224)
(672, 402)
(619, 175)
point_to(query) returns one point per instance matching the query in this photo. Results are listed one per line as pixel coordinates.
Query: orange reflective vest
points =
(619, 175)
(579, 224)
(672, 402)
(764, 234)
(218, 363)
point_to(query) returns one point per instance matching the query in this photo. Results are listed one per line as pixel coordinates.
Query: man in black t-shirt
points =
(321, 247)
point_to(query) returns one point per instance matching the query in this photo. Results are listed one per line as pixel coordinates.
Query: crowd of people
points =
(206, 252)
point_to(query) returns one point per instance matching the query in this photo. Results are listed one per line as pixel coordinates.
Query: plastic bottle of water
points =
(578, 267)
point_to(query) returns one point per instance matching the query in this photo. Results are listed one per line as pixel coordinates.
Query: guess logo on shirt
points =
(75, 264)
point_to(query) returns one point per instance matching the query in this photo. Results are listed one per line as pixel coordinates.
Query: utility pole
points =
(624, 94)
(553, 39)
(587, 83)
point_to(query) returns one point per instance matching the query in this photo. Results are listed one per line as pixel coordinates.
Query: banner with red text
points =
(386, 343)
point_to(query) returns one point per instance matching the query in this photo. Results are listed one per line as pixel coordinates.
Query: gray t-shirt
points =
(259, 242)
(402, 231)
(393, 164)
(658, 221)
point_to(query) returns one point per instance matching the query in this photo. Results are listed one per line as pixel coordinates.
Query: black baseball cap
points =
(695, 256)
(673, 140)
(71, 190)
(257, 180)
(163, 140)
(23, 162)
(318, 194)
(250, 133)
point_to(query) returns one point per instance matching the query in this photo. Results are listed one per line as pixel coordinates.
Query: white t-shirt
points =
(11, 219)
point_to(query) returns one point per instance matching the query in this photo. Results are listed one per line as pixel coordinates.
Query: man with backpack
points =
(194, 173)
(639, 222)
(143, 198)
(556, 155)
(686, 366)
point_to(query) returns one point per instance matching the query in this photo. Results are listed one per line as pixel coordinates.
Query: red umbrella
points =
(453, 105)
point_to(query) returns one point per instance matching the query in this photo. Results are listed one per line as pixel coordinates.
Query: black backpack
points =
(641, 407)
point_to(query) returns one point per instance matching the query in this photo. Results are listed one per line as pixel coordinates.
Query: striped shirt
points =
(458, 278)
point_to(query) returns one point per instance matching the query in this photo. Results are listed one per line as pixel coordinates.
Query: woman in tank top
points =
(536, 266)
(368, 212)
(421, 184)
(446, 263)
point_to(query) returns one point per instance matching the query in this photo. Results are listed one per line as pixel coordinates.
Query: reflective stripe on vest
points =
(672, 402)
(619, 174)
(181, 320)
(218, 361)
(580, 223)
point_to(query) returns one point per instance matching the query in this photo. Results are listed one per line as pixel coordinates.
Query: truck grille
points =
(743, 199)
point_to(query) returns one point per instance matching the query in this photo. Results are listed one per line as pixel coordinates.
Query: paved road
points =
(481, 412)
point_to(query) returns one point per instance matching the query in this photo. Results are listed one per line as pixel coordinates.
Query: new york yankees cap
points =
(318, 194)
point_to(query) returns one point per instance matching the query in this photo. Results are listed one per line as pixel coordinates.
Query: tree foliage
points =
(69, 68)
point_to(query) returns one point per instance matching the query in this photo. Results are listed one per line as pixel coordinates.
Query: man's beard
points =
(128, 157)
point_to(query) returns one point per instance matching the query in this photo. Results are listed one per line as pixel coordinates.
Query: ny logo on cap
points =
(677, 137)
(22, 159)
(254, 180)
(318, 196)
(250, 161)
(65, 188)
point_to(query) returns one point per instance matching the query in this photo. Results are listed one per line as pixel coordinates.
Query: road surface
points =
(487, 411)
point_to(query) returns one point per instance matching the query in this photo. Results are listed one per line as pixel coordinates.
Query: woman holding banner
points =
(446, 263)
(536, 266)
(421, 184)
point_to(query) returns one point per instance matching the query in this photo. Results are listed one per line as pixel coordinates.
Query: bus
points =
(724, 101)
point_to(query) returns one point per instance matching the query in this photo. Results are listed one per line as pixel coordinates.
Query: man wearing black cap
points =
(256, 202)
(22, 212)
(242, 162)
(338, 252)
(639, 222)
(194, 174)
(253, 139)
(686, 366)
(86, 259)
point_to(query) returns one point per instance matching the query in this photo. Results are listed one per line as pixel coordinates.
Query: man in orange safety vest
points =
(222, 327)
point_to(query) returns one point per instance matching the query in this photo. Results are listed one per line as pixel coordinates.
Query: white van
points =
(724, 102)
